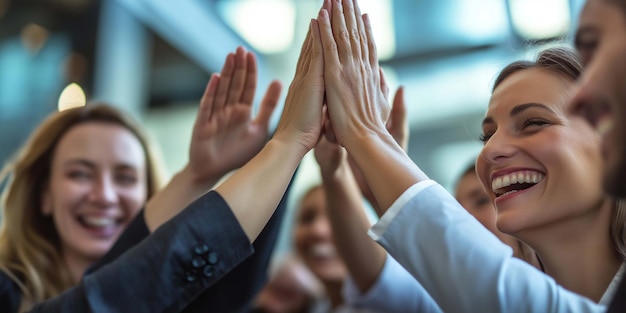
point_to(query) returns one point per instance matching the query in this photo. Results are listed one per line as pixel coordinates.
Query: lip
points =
(510, 196)
(102, 232)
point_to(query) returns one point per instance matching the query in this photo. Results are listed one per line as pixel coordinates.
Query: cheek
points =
(299, 239)
(133, 199)
(66, 195)
(482, 172)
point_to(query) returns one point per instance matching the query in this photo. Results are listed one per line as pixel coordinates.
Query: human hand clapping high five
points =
(357, 105)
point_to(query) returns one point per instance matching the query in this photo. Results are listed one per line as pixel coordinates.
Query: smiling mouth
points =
(514, 182)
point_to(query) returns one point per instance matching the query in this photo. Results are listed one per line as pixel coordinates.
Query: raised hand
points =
(301, 122)
(356, 104)
(398, 127)
(265, 178)
(329, 156)
(225, 136)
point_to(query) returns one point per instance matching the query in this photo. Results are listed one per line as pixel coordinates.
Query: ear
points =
(46, 203)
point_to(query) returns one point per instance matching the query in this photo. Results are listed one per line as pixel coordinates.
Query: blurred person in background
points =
(472, 196)
(85, 173)
(291, 288)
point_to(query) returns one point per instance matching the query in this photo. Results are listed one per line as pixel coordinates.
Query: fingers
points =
(383, 84)
(303, 52)
(225, 77)
(329, 46)
(249, 89)
(329, 133)
(340, 31)
(371, 45)
(206, 103)
(268, 104)
(398, 124)
(238, 79)
(361, 29)
(316, 64)
(352, 27)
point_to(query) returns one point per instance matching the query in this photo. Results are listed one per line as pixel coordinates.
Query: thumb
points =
(269, 103)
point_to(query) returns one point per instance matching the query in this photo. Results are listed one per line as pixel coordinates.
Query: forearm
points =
(450, 253)
(255, 190)
(183, 189)
(387, 168)
(350, 225)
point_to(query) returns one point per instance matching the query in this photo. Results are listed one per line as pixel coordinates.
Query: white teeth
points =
(604, 126)
(323, 250)
(530, 177)
(98, 221)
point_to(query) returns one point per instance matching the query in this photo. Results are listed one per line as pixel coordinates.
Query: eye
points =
(79, 174)
(484, 137)
(586, 45)
(481, 202)
(307, 217)
(126, 179)
(534, 122)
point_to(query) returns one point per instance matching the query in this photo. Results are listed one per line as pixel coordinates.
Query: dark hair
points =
(563, 61)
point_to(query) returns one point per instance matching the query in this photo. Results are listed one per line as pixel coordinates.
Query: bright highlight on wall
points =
(267, 25)
(72, 96)
(540, 19)
(380, 13)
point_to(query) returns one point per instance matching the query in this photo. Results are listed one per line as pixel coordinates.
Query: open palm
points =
(225, 136)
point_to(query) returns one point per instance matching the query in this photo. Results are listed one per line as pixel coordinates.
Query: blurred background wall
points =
(153, 58)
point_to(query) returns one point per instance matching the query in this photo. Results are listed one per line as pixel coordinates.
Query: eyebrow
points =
(519, 109)
(83, 162)
(92, 165)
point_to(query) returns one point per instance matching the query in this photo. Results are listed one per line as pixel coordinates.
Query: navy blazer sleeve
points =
(234, 292)
(167, 270)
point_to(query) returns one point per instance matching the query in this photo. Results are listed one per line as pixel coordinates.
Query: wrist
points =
(334, 173)
(289, 144)
(191, 178)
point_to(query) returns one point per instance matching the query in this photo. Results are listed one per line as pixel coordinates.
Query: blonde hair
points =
(29, 243)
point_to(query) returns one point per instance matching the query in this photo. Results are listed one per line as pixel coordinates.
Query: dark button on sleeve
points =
(190, 277)
(208, 271)
(198, 262)
(212, 258)
(201, 249)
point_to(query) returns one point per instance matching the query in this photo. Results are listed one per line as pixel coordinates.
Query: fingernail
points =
(324, 13)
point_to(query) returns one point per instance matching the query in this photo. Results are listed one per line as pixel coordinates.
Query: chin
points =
(509, 224)
(96, 251)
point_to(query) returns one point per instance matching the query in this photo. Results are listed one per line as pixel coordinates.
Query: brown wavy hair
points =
(30, 251)
(566, 63)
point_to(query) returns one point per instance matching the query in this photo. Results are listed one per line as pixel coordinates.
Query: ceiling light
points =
(540, 19)
(72, 96)
(380, 13)
(267, 25)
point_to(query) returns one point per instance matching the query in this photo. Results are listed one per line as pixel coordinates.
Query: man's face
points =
(601, 94)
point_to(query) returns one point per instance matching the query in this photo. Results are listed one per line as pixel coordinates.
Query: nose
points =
(104, 191)
(580, 103)
(498, 148)
(321, 228)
